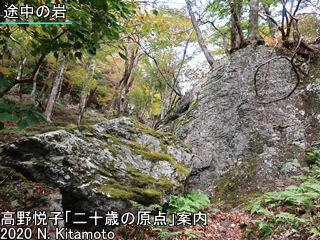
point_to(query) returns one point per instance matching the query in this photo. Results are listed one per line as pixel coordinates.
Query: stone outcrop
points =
(238, 145)
(241, 143)
(102, 167)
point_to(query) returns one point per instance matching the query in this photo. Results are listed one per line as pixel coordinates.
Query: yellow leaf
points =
(4, 70)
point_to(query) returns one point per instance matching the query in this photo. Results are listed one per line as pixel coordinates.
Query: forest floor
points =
(221, 226)
(63, 116)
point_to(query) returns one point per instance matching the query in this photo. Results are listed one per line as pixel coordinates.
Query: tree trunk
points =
(124, 85)
(115, 102)
(151, 102)
(34, 85)
(54, 90)
(60, 89)
(83, 103)
(85, 94)
(16, 89)
(128, 84)
(165, 102)
(196, 27)
(254, 34)
(237, 38)
(272, 26)
(21, 67)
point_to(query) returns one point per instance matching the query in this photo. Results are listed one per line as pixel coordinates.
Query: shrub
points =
(190, 202)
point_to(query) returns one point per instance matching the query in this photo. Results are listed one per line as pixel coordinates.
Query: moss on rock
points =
(136, 186)
(238, 185)
(117, 191)
(146, 153)
(157, 156)
(166, 138)
(110, 148)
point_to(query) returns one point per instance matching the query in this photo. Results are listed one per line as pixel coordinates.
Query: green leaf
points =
(32, 120)
(123, 56)
(6, 107)
(155, 12)
(22, 124)
(92, 51)
(77, 45)
(1, 125)
(78, 55)
(5, 116)
(25, 107)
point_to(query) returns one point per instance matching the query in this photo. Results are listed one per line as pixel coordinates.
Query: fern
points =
(299, 204)
(164, 234)
(290, 166)
(314, 157)
(189, 202)
(288, 218)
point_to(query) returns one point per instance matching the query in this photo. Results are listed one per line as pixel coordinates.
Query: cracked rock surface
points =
(240, 143)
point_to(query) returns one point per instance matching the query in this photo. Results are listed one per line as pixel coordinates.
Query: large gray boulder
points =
(242, 144)
(102, 167)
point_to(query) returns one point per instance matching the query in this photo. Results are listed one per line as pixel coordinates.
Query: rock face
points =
(101, 167)
(241, 143)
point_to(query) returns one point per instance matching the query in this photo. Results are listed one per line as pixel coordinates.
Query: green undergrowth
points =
(23, 120)
(189, 202)
(18, 192)
(293, 212)
(193, 201)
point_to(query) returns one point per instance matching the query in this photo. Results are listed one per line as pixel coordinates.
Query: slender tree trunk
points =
(115, 102)
(254, 34)
(151, 102)
(119, 99)
(34, 85)
(83, 103)
(20, 75)
(21, 67)
(272, 26)
(128, 84)
(16, 88)
(291, 15)
(196, 27)
(165, 102)
(60, 88)
(54, 90)
(85, 94)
